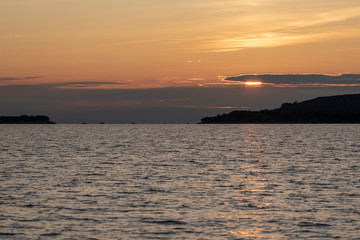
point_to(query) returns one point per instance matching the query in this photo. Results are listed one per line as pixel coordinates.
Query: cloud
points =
(327, 18)
(214, 107)
(300, 79)
(267, 39)
(90, 84)
(269, 27)
(70, 85)
(17, 78)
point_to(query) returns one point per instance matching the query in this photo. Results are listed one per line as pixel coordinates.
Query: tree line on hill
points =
(333, 109)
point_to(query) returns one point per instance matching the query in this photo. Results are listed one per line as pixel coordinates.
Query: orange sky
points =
(162, 43)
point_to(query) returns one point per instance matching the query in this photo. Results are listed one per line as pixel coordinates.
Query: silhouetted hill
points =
(25, 119)
(333, 109)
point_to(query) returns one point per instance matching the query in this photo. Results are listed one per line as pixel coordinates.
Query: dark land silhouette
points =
(333, 109)
(25, 119)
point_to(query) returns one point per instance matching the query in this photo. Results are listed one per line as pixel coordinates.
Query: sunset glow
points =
(141, 43)
(253, 83)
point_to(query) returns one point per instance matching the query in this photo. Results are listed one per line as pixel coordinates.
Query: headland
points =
(25, 119)
(332, 109)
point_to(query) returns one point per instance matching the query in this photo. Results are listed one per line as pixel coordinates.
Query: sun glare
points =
(253, 83)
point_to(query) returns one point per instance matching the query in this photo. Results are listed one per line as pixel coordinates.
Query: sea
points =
(164, 181)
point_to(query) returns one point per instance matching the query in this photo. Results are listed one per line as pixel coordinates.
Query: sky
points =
(155, 61)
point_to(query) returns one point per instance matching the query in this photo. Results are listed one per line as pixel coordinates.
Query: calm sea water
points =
(180, 181)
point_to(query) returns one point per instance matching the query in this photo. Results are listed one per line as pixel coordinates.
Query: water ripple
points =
(180, 182)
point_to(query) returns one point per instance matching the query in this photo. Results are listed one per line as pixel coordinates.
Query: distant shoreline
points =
(25, 119)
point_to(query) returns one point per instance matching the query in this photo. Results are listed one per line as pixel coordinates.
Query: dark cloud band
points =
(299, 78)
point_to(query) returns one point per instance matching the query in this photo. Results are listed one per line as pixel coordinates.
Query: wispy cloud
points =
(65, 85)
(292, 30)
(17, 78)
(87, 85)
(326, 17)
(267, 23)
(269, 39)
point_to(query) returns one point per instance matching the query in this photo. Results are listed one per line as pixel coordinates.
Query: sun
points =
(253, 83)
